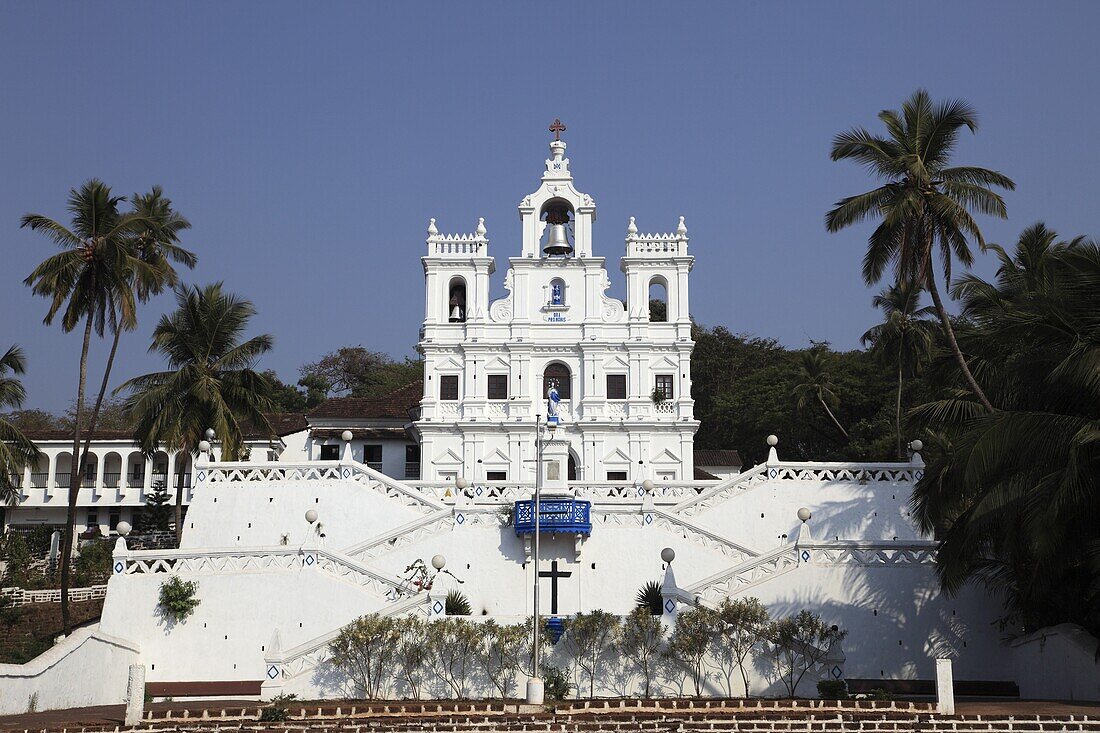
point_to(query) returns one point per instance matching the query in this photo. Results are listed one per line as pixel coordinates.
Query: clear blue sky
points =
(310, 143)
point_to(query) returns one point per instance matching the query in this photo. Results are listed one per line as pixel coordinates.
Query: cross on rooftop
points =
(557, 128)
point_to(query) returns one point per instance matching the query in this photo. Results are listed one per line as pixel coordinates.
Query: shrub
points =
(18, 557)
(640, 643)
(278, 710)
(457, 604)
(555, 683)
(453, 645)
(364, 650)
(797, 643)
(690, 642)
(739, 633)
(649, 596)
(832, 690)
(177, 598)
(589, 640)
(93, 564)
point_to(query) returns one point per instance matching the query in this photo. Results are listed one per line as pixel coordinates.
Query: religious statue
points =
(552, 400)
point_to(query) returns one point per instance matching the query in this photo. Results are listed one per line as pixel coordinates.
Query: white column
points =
(147, 476)
(945, 690)
(135, 695)
(99, 461)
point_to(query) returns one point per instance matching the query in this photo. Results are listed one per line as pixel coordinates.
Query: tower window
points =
(658, 300)
(498, 386)
(448, 387)
(456, 300)
(663, 386)
(616, 386)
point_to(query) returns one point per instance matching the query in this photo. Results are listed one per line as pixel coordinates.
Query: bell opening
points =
(558, 241)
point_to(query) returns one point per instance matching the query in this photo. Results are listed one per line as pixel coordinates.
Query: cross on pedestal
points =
(557, 128)
(554, 574)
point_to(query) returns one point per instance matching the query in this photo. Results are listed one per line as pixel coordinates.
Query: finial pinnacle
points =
(632, 228)
(682, 229)
(481, 227)
(431, 227)
(557, 128)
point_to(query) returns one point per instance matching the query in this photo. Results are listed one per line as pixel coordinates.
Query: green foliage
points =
(177, 599)
(39, 540)
(589, 639)
(310, 392)
(649, 598)
(364, 651)
(457, 604)
(453, 646)
(502, 653)
(690, 642)
(16, 450)
(658, 310)
(555, 683)
(1015, 494)
(411, 653)
(17, 556)
(832, 689)
(641, 641)
(93, 564)
(278, 709)
(797, 643)
(361, 373)
(156, 515)
(740, 627)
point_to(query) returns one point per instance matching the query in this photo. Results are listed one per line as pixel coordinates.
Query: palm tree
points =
(924, 203)
(156, 244)
(1016, 493)
(89, 282)
(903, 339)
(210, 382)
(16, 451)
(816, 385)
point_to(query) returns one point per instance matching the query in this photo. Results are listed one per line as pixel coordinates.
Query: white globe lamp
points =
(123, 528)
(204, 446)
(804, 515)
(773, 440)
(438, 562)
(346, 436)
(461, 483)
(647, 485)
(311, 515)
(210, 433)
(917, 445)
(668, 555)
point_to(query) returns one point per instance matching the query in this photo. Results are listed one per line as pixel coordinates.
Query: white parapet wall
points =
(1058, 662)
(89, 667)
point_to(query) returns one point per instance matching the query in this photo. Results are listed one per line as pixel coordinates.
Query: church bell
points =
(558, 241)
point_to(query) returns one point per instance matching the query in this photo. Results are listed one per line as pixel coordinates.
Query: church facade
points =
(622, 371)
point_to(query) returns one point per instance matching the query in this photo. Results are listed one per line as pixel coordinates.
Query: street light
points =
(535, 689)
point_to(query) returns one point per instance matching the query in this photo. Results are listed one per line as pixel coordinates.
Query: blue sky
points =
(310, 143)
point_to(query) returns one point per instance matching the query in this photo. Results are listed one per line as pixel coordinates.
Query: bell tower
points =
(557, 219)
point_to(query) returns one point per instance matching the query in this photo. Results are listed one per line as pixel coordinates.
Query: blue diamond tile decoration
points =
(460, 518)
(649, 519)
(478, 491)
(772, 473)
(836, 672)
(805, 556)
(347, 473)
(437, 608)
(272, 672)
(202, 475)
(119, 567)
(918, 475)
(670, 606)
(310, 560)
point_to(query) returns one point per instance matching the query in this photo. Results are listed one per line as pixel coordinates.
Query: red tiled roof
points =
(717, 458)
(394, 406)
(360, 433)
(45, 435)
(701, 475)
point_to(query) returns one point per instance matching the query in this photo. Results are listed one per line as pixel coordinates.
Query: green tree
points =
(453, 645)
(640, 642)
(1015, 495)
(89, 282)
(156, 515)
(816, 386)
(502, 654)
(798, 643)
(361, 373)
(364, 651)
(741, 625)
(924, 203)
(210, 382)
(16, 450)
(904, 339)
(589, 640)
(690, 642)
(411, 654)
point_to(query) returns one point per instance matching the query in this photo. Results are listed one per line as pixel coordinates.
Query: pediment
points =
(448, 365)
(496, 458)
(616, 363)
(665, 457)
(664, 363)
(616, 457)
(447, 458)
(497, 364)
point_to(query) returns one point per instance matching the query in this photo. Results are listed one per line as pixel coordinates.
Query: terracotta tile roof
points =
(717, 458)
(361, 433)
(394, 406)
(701, 475)
(282, 423)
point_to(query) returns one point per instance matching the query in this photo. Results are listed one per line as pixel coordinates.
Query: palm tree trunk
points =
(897, 414)
(179, 514)
(930, 278)
(94, 418)
(833, 418)
(74, 481)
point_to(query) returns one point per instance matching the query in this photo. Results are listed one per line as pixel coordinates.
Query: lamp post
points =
(535, 690)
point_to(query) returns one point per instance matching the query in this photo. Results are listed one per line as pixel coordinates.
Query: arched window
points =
(557, 374)
(572, 467)
(557, 291)
(456, 300)
(658, 300)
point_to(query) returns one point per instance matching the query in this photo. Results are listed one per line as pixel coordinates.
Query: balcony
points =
(61, 480)
(412, 470)
(39, 480)
(565, 516)
(111, 479)
(182, 481)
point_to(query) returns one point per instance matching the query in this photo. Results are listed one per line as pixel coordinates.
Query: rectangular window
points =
(664, 385)
(498, 386)
(448, 387)
(412, 461)
(616, 386)
(89, 471)
(330, 452)
(372, 456)
(616, 475)
(93, 519)
(496, 475)
(115, 517)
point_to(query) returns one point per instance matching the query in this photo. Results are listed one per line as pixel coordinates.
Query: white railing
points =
(22, 597)
(665, 493)
(318, 471)
(855, 472)
(721, 491)
(640, 245)
(401, 536)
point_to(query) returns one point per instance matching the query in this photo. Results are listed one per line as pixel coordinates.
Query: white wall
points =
(1060, 662)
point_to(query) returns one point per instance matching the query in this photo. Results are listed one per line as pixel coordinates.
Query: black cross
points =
(553, 574)
(557, 128)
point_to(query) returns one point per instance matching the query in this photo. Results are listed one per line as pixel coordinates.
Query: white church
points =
(320, 525)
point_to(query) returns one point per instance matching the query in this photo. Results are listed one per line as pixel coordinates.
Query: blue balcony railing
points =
(568, 516)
